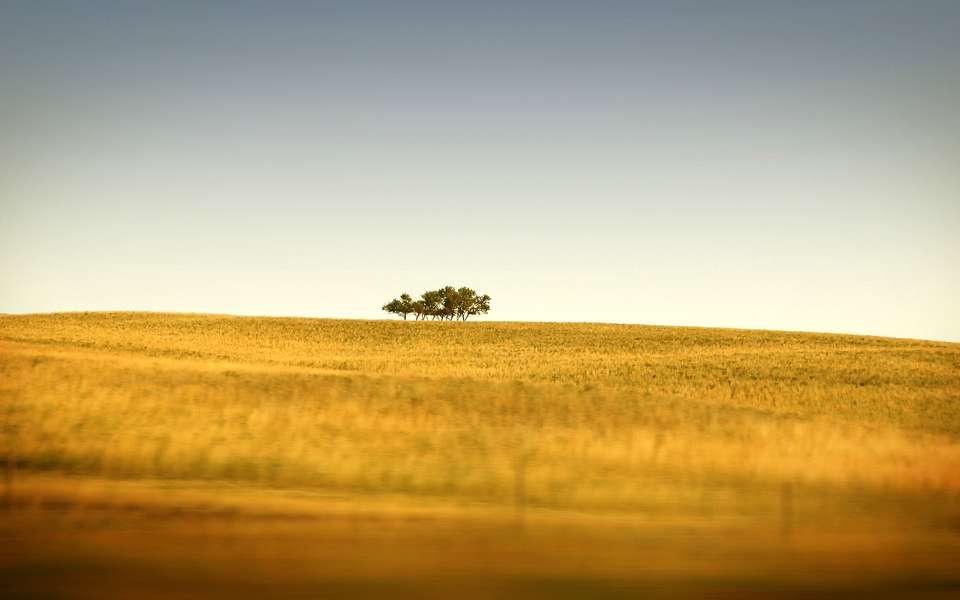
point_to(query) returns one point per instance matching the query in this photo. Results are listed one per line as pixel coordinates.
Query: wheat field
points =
(188, 455)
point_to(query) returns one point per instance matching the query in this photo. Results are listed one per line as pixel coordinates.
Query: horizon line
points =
(481, 320)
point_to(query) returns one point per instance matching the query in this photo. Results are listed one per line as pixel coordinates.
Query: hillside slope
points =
(759, 448)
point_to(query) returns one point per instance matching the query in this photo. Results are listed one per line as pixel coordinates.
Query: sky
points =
(757, 164)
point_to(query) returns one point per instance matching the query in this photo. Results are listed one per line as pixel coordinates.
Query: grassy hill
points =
(276, 456)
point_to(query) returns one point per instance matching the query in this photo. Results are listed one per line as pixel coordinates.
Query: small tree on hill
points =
(466, 300)
(481, 306)
(451, 302)
(419, 309)
(432, 303)
(402, 306)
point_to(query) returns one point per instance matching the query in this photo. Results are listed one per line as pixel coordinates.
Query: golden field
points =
(158, 455)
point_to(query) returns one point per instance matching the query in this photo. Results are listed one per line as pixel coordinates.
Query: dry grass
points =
(759, 448)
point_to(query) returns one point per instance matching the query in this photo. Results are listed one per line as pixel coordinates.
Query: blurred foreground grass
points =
(200, 455)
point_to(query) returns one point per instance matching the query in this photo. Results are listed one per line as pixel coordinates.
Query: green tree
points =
(481, 306)
(392, 307)
(419, 309)
(466, 300)
(406, 305)
(470, 303)
(450, 303)
(432, 303)
(402, 306)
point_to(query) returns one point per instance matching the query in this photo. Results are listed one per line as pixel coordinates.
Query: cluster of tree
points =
(447, 303)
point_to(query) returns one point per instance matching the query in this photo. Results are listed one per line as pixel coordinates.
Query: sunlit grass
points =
(793, 432)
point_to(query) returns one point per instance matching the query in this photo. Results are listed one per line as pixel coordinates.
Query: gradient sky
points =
(767, 164)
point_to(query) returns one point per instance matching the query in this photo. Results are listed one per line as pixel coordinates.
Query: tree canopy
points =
(447, 303)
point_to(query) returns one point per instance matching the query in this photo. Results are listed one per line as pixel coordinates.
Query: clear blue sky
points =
(787, 165)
